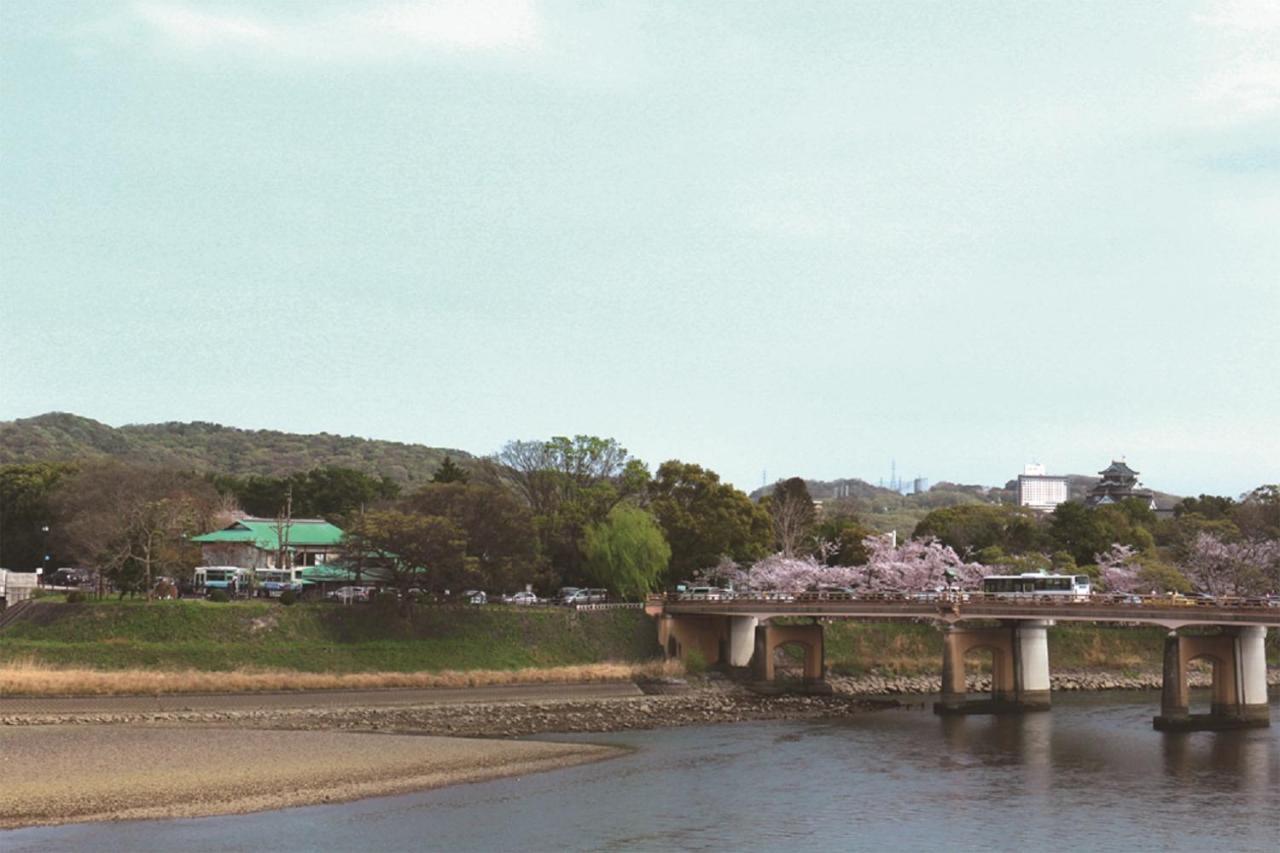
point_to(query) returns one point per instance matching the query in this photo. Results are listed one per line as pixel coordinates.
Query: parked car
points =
(72, 576)
(474, 596)
(348, 594)
(565, 593)
(706, 593)
(524, 597)
(587, 596)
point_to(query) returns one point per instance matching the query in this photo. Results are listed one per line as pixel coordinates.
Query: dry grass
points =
(29, 678)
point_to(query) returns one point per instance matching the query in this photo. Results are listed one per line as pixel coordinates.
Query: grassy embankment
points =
(184, 646)
(111, 646)
(916, 649)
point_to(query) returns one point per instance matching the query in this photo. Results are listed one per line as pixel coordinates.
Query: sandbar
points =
(70, 773)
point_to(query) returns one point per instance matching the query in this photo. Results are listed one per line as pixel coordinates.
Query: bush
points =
(220, 596)
(75, 597)
(288, 597)
(385, 603)
(694, 662)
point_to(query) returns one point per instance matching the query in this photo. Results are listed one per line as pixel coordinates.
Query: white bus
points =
(273, 582)
(233, 580)
(1036, 584)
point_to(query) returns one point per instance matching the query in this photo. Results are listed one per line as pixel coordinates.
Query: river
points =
(1091, 774)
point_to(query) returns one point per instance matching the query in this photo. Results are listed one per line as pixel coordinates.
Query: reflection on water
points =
(1091, 774)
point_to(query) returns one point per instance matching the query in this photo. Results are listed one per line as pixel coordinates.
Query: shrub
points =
(288, 597)
(220, 596)
(75, 597)
(694, 662)
(385, 603)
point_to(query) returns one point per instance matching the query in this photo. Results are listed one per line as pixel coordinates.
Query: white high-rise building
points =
(1040, 491)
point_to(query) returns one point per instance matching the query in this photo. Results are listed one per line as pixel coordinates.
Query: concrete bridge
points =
(741, 632)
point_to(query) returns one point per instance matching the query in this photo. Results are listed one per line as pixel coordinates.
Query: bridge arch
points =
(959, 643)
(770, 638)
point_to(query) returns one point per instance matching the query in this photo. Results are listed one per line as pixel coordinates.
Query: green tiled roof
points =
(262, 532)
(329, 572)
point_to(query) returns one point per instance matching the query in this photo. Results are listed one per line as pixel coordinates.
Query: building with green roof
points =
(255, 543)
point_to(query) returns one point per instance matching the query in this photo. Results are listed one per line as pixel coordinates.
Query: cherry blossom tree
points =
(914, 565)
(1233, 568)
(1119, 568)
(780, 573)
(726, 573)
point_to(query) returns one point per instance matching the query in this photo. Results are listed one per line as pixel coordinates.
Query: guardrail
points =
(609, 605)
(1117, 600)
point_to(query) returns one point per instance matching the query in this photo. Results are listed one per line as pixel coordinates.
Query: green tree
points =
(408, 550)
(501, 538)
(627, 552)
(27, 494)
(1208, 507)
(1258, 515)
(570, 484)
(705, 519)
(970, 528)
(1155, 574)
(843, 534)
(449, 472)
(328, 492)
(1084, 531)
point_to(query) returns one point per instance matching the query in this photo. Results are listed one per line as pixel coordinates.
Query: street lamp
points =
(44, 567)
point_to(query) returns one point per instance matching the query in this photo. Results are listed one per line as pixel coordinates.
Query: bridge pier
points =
(742, 639)
(1019, 668)
(769, 638)
(1239, 692)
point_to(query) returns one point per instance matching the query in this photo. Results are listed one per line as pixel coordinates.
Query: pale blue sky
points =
(801, 237)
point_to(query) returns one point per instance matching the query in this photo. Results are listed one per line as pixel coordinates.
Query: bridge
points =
(742, 632)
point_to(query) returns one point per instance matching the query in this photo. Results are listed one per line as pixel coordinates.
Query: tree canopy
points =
(627, 552)
(705, 519)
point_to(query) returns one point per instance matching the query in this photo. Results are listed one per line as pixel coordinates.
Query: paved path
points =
(313, 699)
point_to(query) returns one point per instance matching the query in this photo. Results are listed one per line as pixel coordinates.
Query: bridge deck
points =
(1163, 614)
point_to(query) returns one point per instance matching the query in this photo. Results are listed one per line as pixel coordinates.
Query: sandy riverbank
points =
(69, 774)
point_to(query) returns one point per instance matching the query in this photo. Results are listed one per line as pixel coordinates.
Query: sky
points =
(774, 239)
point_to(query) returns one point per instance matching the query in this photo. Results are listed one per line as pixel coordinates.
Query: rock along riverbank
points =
(504, 719)
(709, 701)
(1062, 680)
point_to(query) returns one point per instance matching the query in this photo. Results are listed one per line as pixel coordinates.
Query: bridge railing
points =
(1116, 600)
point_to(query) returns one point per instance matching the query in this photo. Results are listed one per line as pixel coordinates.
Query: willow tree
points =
(627, 552)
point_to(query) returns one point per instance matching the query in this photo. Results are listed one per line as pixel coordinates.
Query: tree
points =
(328, 492)
(1084, 532)
(1118, 568)
(134, 522)
(501, 538)
(627, 552)
(1208, 507)
(782, 573)
(914, 565)
(1258, 514)
(843, 534)
(1250, 567)
(969, 528)
(570, 484)
(407, 550)
(705, 519)
(791, 508)
(449, 472)
(27, 494)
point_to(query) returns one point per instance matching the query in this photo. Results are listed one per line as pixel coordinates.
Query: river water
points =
(1091, 774)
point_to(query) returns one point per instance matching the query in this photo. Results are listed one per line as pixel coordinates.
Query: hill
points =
(201, 446)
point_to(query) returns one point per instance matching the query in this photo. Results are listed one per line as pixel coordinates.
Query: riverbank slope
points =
(70, 774)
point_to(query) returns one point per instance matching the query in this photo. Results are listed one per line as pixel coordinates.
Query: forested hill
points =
(59, 436)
